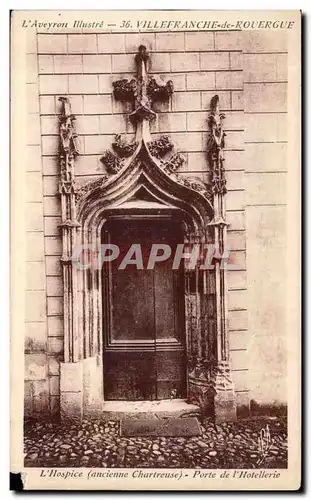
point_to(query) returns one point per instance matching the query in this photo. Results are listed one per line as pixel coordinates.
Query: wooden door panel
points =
(130, 376)
(171, 376)
(144, 356)
(132, 312)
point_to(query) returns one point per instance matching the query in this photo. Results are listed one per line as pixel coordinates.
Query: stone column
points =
(224, 400)
(71, 375)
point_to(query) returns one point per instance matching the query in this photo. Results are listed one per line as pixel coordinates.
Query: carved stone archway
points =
(141, 165)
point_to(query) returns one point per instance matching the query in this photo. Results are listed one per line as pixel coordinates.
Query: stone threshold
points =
(166, 408)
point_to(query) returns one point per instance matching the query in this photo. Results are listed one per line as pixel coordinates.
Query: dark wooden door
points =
(144, 353)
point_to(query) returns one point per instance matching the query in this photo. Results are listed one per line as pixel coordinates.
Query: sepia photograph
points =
(156, 226)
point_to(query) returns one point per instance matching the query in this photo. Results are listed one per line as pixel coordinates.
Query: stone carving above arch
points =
(143, 92)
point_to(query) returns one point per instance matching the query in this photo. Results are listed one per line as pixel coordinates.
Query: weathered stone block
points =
(50, 185)
(67, 64)
(55, 326)
(34, 216)
(46, 64)
(186, 61)
(83, 84)
(55, 306)
(35, 336)
(87, 125)
(169, 122)
(238, 320)
(115, 124)
(35, 276)
(261, 127)
(96, 64)
(199, 41)
(49, 145)
(237, 98)
(55, 345)
(214, 60)
(71, 377)
(239, 340)
(234, 160)
(258, 157)
(32, 96)
(267, 188)
(55, 406)
(235, 140)
(52, 44)
(237, 260)
(123, 63)
(186, 101)
(54, 385)
(264, 41)
(111, 42)
(33, 158)
(54, 366)
(260, 67)
(169, 42)
(31, 68)
(237, 300)
(236, 280)
(228, 40)
(71, 406)
(47, 105)
(53, 245)
(34, 247)
(229, 80)
(281, 67)
(97, 104)
(31, 42)
(35, 306)
(53, 84)
(160, 63)
(51, 226)
(51, 205)
(261, 97)
(82, 43)
(36, 366)
(33, 129)
(97, 144)
(54, 286)
(200, 81)
(236, 60)
(191, 141)
(236, 219)
(34, 187)
(236, 240)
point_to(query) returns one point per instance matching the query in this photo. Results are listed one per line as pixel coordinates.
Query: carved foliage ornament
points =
(215, 146)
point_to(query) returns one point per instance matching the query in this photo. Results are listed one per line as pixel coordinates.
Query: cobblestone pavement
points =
(247, 443)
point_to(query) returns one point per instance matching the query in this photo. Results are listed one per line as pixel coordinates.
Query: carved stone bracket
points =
(112, 162)
(123, 148)
(159, 93)
(215, 146)
(160, 147)
(125, 90)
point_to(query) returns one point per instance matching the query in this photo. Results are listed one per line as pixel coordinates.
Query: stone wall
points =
(252, 91)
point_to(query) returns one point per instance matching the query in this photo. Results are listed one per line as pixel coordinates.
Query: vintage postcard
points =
(155, 185)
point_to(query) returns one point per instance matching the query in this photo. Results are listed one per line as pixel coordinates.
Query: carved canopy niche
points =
(148, 168)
